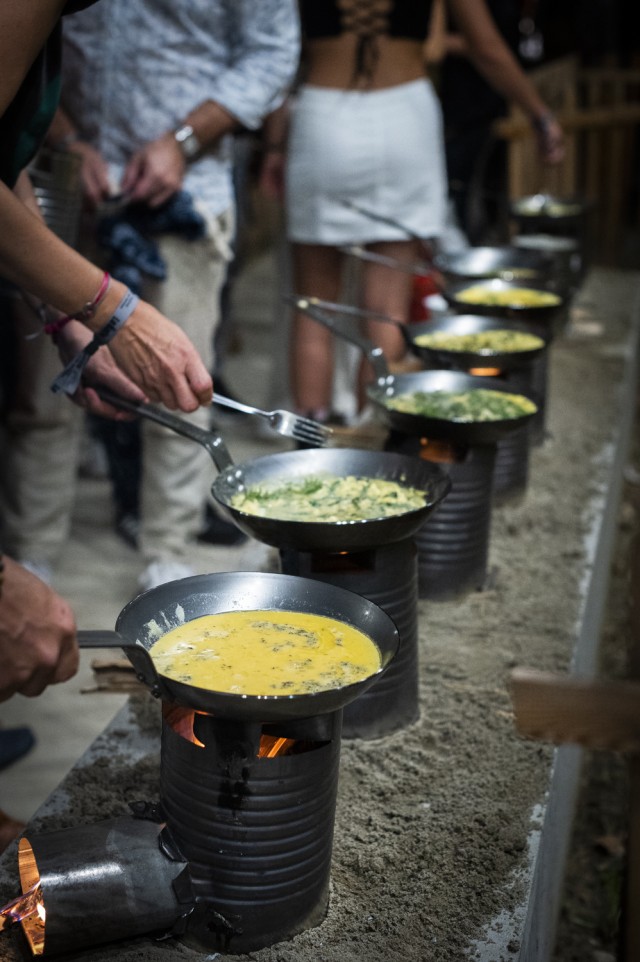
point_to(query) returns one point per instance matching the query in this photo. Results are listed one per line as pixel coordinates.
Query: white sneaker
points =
(161, 572)
(41, 569)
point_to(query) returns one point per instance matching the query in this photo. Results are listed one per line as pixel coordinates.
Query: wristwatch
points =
(187, 142)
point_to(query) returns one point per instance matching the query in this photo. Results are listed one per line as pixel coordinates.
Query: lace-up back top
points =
(368, 20)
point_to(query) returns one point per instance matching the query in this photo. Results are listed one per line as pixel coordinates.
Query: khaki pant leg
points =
(42, 434)
(177, 473)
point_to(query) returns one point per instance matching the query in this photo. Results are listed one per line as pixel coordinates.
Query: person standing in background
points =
(470, 105)
(367, 108)
(150, 92)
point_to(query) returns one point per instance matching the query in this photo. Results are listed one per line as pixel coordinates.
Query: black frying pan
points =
(474, 324)
(388, 385)
(288, 465)
(543, 314)
(149, 616)
(454, 324)
(508, 263)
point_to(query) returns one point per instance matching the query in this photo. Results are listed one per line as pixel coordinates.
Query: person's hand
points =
(37, 634)
(101, 370)
(161, 360)
(155, 172)
(272, 174)
(550, 139)
(94, 172)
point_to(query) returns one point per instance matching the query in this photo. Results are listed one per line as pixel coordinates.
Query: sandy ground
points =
(433, 823)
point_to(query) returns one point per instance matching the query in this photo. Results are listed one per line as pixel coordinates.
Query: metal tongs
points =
(428, 244)
(284, 422)
(417, 268)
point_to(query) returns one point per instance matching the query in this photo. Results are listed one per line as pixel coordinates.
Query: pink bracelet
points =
(85, 312)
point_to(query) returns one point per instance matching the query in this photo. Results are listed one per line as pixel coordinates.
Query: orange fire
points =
(485, 371)
(28, 908)
(22, 907)
(182, 720)
(271, 746)
(440, 452)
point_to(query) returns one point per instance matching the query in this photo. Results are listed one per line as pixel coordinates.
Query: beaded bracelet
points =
(69, 378)
(85, 312)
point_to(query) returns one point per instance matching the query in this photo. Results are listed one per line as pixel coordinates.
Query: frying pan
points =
(544, 314)
(479, 263)
(453, 324)
(149, 616)
(472, 324)
(286, 466)
(388, 385)
(547, 212)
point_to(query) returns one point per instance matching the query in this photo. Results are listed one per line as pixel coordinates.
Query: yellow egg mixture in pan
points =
(266, 653)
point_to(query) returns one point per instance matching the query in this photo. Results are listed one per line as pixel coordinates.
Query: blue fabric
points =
(128, 237)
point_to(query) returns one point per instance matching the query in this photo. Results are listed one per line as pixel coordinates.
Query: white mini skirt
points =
(381, 149)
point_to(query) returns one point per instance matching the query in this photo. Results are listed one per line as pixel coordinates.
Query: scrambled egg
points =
(266, 653)
(508, 297)
(483, 342)
(329, 499)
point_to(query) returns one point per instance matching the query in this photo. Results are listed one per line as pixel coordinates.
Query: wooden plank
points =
(595, 714)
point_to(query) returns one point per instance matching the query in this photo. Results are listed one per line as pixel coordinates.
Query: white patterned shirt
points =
(133, 69)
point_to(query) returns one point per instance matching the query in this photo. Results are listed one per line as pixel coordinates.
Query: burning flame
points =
(271, 746)
(485, 371)
(440, 452)
(28, 908)
(182, 719)
(22, 907)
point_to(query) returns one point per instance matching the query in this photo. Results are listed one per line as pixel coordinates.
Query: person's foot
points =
(162, 572)
(14, 743)
(218, 531)
(10, 828)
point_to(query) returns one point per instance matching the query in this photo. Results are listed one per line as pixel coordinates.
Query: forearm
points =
(34, 258)
(24, 192)
(492, 58)
(210, 122)
(504, 74)
(275, 129)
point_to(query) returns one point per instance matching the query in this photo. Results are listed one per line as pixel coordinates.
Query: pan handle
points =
(211, 441)
(137, 655)
(309, 306)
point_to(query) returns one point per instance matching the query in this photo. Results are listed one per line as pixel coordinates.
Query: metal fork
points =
(287, 423)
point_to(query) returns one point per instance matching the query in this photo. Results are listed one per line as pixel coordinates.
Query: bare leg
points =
(317, 273)
(388, 290)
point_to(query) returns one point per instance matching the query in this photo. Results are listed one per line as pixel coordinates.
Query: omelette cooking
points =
(266, 652)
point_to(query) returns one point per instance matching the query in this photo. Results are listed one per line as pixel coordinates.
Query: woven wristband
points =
(86, 312)
(68, 380)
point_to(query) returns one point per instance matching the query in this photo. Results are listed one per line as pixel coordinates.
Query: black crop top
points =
(393, 18)
(368, 20)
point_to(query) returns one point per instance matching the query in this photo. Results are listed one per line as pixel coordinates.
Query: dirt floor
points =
(433, 822)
